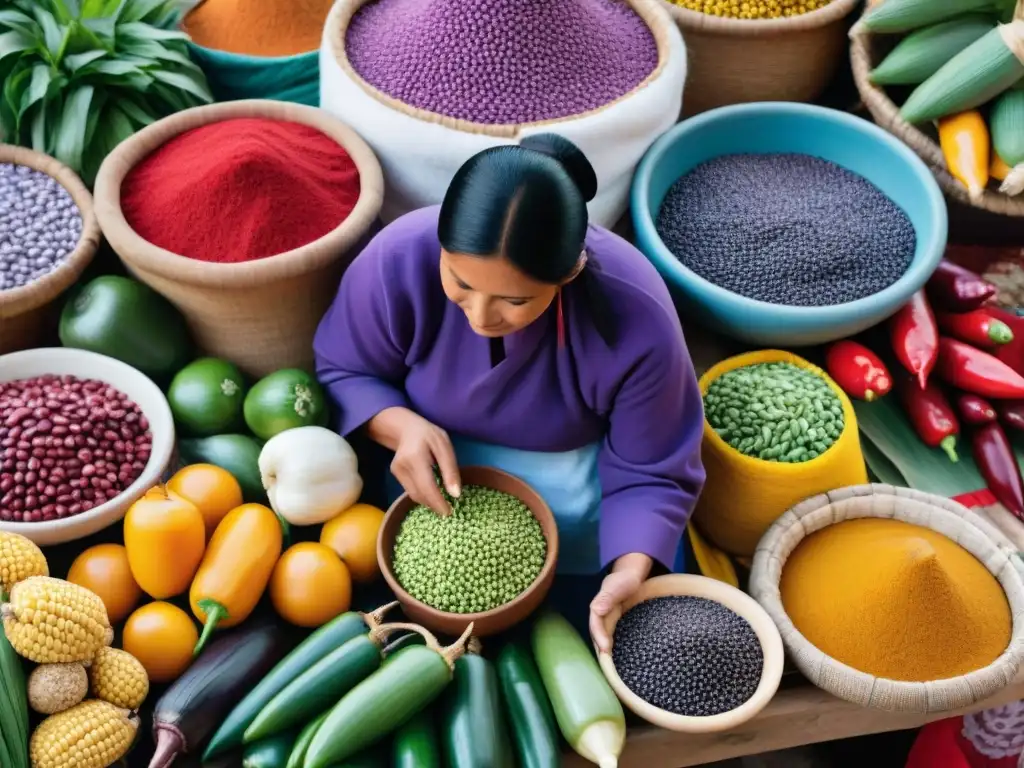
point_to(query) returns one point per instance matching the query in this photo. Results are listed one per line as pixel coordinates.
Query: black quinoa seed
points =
(687, 655)
(787, 229)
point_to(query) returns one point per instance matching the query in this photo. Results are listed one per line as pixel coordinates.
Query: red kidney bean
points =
(67, 445)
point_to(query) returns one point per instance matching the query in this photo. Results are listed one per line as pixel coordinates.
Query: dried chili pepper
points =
(975, 410)
(930, 414)
(1013, 353)
(857, 370)
(956, 289)
(915, 337)
(997, 463)
(968, 368)
(1011, 414)
(978, 328)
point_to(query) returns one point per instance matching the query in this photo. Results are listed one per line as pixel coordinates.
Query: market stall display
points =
(852, 144)
(383, 74)
(943, 679)
(87, 457)
(220, 299)
(52, 249)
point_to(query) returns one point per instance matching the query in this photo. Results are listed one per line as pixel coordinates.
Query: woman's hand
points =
(419, 446)
(628, 573)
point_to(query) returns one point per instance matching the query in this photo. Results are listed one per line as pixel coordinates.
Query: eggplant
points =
(195, 704)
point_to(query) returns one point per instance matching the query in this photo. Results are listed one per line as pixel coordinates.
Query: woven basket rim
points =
(695, 21)
(658, 21)
(887, 115)
(137, 252)
(45, 289)
(982, 683)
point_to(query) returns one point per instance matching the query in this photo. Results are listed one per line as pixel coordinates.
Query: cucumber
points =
(473, 729)
(404, 641)
(298, 756)
(318, 688)
(532, 721)
(270, 753)
(387, 699)
(337, 632)
(415, 744)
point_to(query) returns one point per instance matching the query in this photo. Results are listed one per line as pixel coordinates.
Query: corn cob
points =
(93, 734)
(119, 678)
(53, 688)
(922, 53)
(977, 74)
(19, 559)
(907, 15)
(51, 621)
(965, 145)
(1006, 121)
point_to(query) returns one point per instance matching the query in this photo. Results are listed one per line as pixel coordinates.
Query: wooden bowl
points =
(678, 585)
(488, 622)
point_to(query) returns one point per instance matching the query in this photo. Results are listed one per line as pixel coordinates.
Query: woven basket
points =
(735, 61)
(261, 314)
(968, 529)
(866, 51)
(24, 311)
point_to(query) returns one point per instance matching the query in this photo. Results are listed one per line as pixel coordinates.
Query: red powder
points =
(240, 190)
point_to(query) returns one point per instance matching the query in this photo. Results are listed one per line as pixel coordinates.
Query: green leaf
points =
(17, 21)
(84, 40)
(54, 33)
(14, 91)
(137, 113)
(191, 85)
(42, 76)
(138, 10)
(142, 31)
(15, 42)
(80, 60)
(104, 29)
(115, 69)
(99, 101)
(95, 9)
(70, 137)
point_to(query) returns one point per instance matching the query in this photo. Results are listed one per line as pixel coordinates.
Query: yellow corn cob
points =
(19, 559)
(118, 677)
(965, 145)
(93, 734)
(51, 621)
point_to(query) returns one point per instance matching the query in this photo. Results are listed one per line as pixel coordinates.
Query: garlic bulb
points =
(311, 474)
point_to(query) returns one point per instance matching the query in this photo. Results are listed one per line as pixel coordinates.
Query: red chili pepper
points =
(931, 415)
(978, 328)
(956, 289)
(1011, 414)
(1013, 353)
(915, 337)
(998, 465)
(968, 368)
(974, 410)
(857, 370)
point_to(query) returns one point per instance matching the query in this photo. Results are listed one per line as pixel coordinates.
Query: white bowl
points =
(61, 361)
(677, 585)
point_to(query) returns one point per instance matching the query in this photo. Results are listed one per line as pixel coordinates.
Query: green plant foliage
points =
(80, 76)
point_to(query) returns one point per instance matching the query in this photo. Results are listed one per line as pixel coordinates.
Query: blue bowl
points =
(234, 76)
(771, 127)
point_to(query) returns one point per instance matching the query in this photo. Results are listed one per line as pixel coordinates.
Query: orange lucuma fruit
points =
(161, 636)
(213, 490)
(104, 570)
(165, 537)
(353, 535)
(310, 585)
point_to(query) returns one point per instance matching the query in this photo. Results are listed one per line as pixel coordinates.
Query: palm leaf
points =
(74, 121)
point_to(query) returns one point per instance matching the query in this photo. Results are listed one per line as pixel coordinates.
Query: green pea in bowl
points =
(489, 622)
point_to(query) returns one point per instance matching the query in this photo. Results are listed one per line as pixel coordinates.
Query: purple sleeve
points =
(360, 346)
(650, 464)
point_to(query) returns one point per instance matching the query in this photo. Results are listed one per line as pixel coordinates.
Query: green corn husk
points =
(1006, 124)
(892, 16)
(880, 469)
(923, 53)
(976, 75)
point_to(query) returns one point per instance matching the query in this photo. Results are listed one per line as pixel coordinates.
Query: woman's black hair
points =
(528, 203)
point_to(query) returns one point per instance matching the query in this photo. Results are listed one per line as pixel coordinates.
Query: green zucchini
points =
(473, 728)
(586, 710)
(270, 753)
(410, 681)
(324, 640)
(409, 638)
(922, 53)
(532, 721)
(415, 744)
(318, 688)
(298, 756)
(891, 16)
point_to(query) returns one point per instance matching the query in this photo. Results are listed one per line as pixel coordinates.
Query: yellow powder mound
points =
(259, 27)
(895, 600)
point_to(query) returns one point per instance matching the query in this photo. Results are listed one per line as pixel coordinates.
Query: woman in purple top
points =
(500, 329)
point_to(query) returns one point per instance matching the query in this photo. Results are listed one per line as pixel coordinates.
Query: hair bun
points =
(569, 156)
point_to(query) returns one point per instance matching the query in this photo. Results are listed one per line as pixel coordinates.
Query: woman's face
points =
(497, 298)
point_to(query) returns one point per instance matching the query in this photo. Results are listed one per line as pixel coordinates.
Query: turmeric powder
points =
(895, 600)
(258, 27)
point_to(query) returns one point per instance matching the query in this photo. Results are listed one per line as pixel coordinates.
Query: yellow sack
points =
(743, 495)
